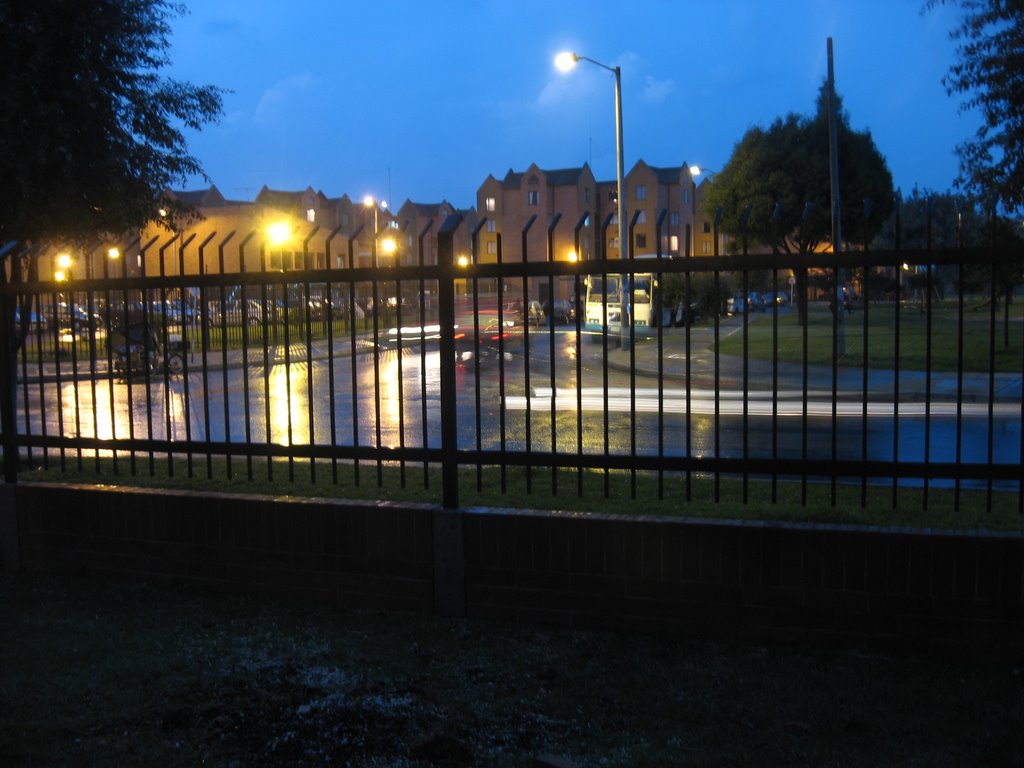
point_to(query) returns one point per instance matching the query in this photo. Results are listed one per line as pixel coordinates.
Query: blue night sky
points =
(423, 100)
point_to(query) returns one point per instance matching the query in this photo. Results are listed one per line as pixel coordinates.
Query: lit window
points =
(492, 247)
(706, 247)
(640, 192)
(673, 243)
(311, 215)
(489, 203)
(533, 197)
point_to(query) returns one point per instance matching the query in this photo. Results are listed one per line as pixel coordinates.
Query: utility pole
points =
(837, 221)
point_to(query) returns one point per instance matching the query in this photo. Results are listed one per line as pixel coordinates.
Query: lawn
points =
(979, 345)
(617, 492)
(113, 674)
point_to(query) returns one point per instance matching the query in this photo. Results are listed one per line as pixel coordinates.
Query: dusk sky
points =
(423, 100)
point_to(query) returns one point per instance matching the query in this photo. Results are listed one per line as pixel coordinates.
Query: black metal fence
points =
(864, 368)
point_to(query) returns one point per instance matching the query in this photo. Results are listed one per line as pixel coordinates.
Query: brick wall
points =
(920, 590)
(358, 555)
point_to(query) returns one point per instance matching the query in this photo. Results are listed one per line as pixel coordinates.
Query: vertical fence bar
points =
(449, 409)
(896, 385)
(552, 383)
(203, 315)
(425, 432)
(9, 369)
(627, 312)
(376, 312)
(604, 350)
(526, 358)
(502, 420)
(328, 300)
(474, 258)
(658, 316)
(577, 305)
(224, 356)
(169, 351)
(926, 307)
(398, 362)
(305, 317)
(353, 368)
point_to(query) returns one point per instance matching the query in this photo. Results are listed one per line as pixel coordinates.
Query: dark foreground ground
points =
(100, 674)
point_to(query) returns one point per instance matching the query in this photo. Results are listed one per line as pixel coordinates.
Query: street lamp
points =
(566, 61)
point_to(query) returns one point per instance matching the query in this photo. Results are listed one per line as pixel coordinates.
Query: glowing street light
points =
(565, 61)
(279, 233)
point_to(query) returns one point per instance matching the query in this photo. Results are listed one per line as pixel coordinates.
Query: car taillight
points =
(459, 336)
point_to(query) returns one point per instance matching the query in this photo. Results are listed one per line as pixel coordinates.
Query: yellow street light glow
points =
(695, 170)
(571, 256)
(114, 253)
(463, 261)
(60, 276)
(279, 232)
(388, 245)
(566, 60)
(369, 201)
(64, 261)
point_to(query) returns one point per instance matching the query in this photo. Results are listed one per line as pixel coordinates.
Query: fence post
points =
(446, 317)
(9, 366)
(448, 549)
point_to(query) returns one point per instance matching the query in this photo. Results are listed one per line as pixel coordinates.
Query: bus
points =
(604, 295)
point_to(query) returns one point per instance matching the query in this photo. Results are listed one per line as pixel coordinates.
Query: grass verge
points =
(913, 351)
(788, 499)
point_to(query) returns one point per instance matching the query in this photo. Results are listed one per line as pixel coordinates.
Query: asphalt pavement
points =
(672, 356)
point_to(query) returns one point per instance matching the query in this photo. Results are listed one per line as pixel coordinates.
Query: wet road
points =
(392, 399)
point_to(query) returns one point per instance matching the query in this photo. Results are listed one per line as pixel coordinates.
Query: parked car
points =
(758, 302)
(562, 311)
(36, 320)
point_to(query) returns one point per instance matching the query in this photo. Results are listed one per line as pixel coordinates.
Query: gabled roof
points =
(512, 180)
(199, 198)
(564, 177)
(558, 177)
(667, 175)
(288, 201)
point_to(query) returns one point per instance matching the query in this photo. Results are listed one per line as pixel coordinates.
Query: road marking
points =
(785, 404)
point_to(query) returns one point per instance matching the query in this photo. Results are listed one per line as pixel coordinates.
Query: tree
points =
(989, 75)
(92, 133)
(782, 173)
(775, 189)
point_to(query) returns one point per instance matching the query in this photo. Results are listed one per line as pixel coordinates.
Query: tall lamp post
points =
(566, 61)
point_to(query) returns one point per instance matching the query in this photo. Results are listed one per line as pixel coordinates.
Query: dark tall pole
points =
(837, 219)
